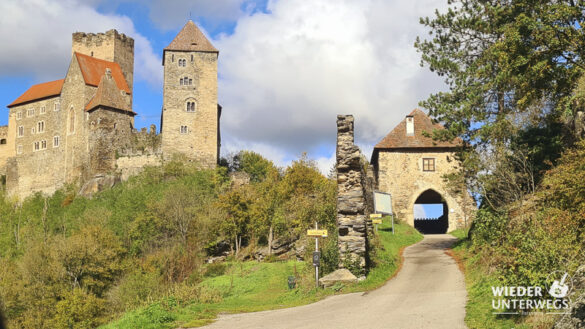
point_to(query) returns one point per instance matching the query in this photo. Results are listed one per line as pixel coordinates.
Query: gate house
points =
(411, 167)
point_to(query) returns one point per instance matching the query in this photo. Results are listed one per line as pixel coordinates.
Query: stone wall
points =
(5, 149)
(353, 187)
(131, 165)
(200, 141)
(400, 173)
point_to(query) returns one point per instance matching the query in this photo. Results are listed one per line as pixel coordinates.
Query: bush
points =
(488, 227)
(215, 269)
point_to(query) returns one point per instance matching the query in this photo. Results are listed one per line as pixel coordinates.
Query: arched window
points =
(190, 106)
(71, 121)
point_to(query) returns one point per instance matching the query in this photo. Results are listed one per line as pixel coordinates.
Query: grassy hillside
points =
(521, 246)
(253, 286)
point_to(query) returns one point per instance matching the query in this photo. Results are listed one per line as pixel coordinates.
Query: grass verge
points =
(252, 286)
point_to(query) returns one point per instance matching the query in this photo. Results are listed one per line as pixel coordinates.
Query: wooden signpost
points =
(317, 233)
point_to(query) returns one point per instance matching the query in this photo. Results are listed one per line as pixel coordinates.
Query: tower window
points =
(2, 141)
(36, 146)
(173, 58)
(30, 112)
(92, 54)
(182, 62)
(191, 58)
(43, 110)
(190, 106)
(190, 82)
(181, 82)
(41, 126)
(184, 129)
(43, 145)
(56, 107)
(20, 131)
(428, 164)
(18, 115)
(56, 141)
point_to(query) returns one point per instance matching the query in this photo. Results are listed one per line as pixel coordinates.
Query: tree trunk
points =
(270, 238)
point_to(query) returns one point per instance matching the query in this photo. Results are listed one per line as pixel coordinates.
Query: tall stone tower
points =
(190, 114)
(110, 46)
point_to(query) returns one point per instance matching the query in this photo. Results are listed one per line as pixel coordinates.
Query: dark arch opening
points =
(431, 213)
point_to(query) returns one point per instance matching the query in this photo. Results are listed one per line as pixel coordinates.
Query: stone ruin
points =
(355, 182)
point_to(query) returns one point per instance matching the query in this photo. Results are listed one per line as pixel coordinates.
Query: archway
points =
(431, 213)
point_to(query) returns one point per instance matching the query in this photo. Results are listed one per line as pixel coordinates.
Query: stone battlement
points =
(98, 38)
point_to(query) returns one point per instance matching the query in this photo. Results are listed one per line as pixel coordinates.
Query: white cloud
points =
(36, 38)
(284, 76)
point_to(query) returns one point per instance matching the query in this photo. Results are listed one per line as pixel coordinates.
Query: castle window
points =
(43, 145)
(18, 115)
(184, 129)
(173, 58)
(3, 141)
(181, 81)
(56, 107)
(30, 112)
(32, 130)
(36, 146)
(190, 106)
(19, 149)
(43, 110)
(41, 126)
(56, 141)
(428, 164)
(182, 62)
(190, 82)
(20, 131)
(71, 121)
(191, 58)
(92, 54)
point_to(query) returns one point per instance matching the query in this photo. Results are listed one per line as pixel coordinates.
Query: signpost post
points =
(376, 219)
(383, 205)
(317, 233)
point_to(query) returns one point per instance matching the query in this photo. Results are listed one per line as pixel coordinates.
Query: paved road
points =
(429, 292)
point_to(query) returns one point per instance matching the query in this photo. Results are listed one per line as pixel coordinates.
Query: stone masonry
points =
(353, 205)
(79, 128)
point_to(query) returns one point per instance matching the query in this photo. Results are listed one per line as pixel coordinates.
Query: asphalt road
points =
(429, 292)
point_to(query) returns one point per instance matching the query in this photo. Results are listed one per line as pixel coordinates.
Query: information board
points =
(382, 203)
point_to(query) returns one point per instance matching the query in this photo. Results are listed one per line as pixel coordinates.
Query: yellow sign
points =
(376, 221)
(317, 233)
(375, 215)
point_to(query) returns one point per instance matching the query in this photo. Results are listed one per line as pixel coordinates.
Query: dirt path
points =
(429, 292)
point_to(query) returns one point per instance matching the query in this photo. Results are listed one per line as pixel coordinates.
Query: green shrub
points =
(215, 269)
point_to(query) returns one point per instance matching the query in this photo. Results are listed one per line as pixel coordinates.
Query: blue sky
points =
(286, 68)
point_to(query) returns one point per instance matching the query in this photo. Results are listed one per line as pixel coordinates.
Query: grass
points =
(252, 286)
(478, 282)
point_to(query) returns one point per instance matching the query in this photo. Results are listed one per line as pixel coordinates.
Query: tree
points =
(501, 60)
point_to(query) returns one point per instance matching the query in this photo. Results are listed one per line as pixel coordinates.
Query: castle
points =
(81, 127)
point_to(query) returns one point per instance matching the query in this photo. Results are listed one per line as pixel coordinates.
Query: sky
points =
(286, 69)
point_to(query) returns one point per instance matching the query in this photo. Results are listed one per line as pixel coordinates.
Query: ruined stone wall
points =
(6, 150)
(401, 174)
(110, 131)
(353, 204)
(130, 165)
(110, 46)
(200, 141)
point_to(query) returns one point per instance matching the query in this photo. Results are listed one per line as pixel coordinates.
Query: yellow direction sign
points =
(317, 233)
(376, 221)
(375, 215)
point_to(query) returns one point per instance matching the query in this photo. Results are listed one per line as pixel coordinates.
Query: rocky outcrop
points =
(353, 203)
(340, 276)
(97, 184)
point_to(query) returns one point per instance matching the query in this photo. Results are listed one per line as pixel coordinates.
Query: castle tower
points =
(190, 114)
(110, 46)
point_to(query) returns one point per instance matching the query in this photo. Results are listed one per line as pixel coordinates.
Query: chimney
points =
(409, 125)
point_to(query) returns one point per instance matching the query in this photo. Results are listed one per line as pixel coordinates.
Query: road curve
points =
(429, 292)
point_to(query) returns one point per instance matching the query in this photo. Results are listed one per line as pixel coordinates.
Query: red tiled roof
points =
(397, 138)
(93, 69)
(108, 95)
(190, 38)
(39, 91)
